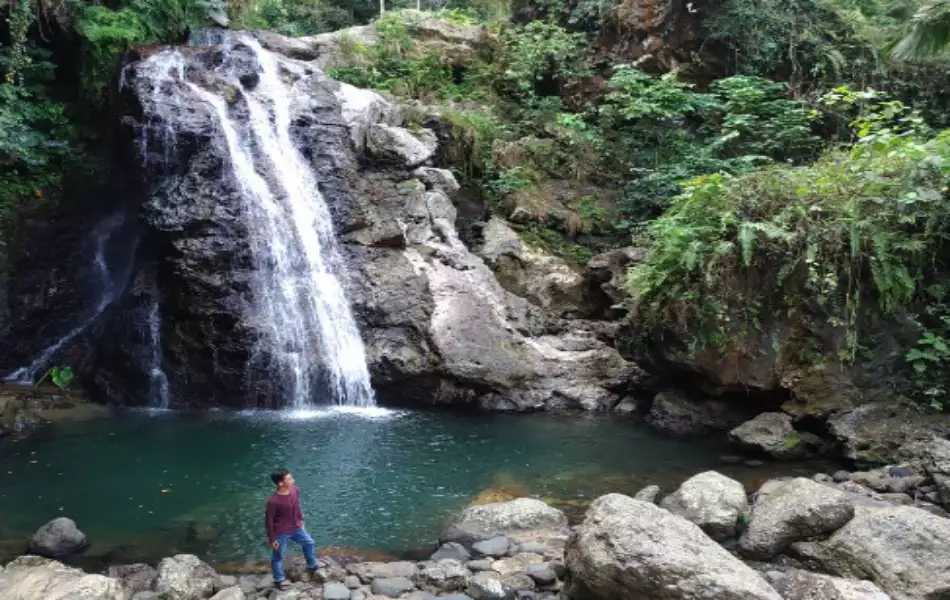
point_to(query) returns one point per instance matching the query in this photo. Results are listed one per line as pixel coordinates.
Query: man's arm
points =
(269, 514)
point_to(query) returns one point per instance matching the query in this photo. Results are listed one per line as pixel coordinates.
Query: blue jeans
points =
(309, 551)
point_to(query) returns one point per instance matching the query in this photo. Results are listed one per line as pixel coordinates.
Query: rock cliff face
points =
(437, 325)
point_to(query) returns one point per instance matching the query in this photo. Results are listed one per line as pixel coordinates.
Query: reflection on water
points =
(148, 484)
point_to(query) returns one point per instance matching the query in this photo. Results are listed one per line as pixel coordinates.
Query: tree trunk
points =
(382, 7)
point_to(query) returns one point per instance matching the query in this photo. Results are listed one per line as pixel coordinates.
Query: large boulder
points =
(630, 549)
(36, 578)
(386, 142)
(904, 550)
(798, 510)
(713, 501)
(522, 519)
(772, 434)
(803, 585)
(60, 538)
(185, 577)
(676, 413)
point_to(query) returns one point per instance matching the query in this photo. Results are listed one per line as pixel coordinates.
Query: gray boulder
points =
(486, 586)
(387, 142)
(451, 550)
(677, 414)
(772, 434)
(369, 571)
(437, 179)
(185, 577)
(494, 547)
(803, 585)
(798, 510)
(392, 587)
(135, 578)
(542, 573)
(648, 494)
(335, 591)
(520, 519)
(609, 271)
(479, 565)
(37, 578)
(60, 538)
(906, 551)
(236, 593)
(447, 575)
(631, 549)
(712, 501)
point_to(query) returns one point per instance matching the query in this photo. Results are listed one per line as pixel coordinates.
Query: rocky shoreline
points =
(844, 536)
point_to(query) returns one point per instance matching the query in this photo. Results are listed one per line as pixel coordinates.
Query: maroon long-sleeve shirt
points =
(283, 515)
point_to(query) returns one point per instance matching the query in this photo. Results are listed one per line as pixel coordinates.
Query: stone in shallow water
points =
(496, 546)
(451, 550)
(60, 538)
(392, 586)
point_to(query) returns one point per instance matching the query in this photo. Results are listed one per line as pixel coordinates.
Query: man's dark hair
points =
(278, 476)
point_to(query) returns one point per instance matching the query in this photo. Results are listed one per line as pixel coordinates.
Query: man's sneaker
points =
(281, 585)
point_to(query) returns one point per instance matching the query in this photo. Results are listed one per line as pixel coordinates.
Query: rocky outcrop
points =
(35, 578)
(713, 501)
(455, 44)
(875, 433)
(797, 510)
(906, 551)
(531, 273)
(630, 549)
(609, 271)
(60, 538)
(437, 326)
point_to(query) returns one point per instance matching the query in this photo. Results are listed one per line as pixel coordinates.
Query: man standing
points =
(284, 521)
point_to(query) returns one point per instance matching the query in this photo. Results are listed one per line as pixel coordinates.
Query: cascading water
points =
(108, 290)
(158, 380)
(306, 332)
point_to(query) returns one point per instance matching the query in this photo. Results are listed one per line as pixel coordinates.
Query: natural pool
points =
(146, 485)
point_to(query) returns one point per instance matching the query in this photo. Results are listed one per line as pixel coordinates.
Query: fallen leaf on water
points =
(166, 491)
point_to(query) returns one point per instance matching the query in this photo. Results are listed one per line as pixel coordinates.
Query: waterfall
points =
(158, 380)
(305, 330)
(108, 289)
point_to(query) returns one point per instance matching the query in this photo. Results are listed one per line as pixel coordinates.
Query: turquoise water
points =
(142, 486)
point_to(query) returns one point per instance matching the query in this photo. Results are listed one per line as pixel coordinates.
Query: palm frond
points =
(929, 33)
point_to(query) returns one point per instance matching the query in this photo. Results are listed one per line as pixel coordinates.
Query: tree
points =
(928, 34)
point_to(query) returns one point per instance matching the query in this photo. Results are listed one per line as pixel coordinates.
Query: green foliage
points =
(661, 132)
(60, 376)
(301, 17)
(858, 233)
(540, 58)
(928, 34)
(107, 32)
(34, 134)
